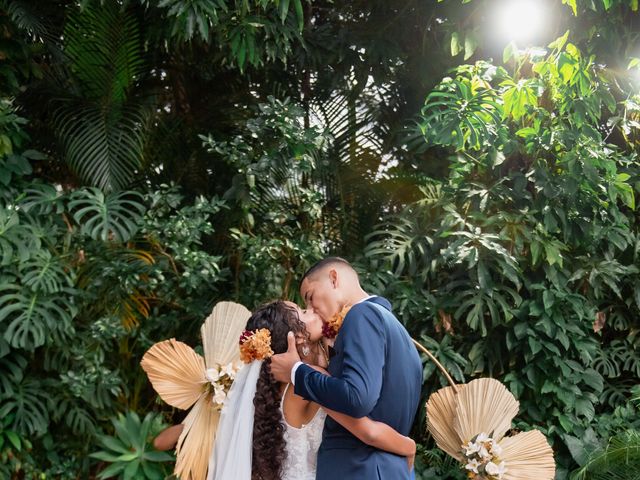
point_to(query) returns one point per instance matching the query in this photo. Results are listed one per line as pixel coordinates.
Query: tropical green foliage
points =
(157, 157)
(277, 192)
(82, 272)
(99, 121)
(129, 451)
(619, 457)
(527, 246)
(254, 32)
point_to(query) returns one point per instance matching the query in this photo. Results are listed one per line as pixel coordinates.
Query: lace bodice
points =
(302, 446)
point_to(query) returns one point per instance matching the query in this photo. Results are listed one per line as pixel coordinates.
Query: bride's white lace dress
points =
(302, 446)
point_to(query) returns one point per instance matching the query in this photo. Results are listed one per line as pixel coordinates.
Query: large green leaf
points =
(30, 318)
(620, 459)
(113, 217)
(29, 403)
(17, 241)
(45, 273)
(101, 126)
(103, 144)
(129, 451)
(103, 43)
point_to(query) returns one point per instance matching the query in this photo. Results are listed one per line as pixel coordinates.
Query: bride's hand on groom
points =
(282, 363)
(411, 459)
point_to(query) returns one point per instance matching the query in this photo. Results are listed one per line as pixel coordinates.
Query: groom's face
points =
(320, 293)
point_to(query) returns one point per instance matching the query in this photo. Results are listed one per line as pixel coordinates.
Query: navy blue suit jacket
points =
(375, 372)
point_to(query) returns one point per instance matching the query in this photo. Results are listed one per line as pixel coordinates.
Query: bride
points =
(266, 431)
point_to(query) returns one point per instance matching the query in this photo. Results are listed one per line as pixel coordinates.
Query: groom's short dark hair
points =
(325, 262)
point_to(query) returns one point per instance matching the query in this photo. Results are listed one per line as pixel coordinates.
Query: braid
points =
(269, 446)
(268, 431)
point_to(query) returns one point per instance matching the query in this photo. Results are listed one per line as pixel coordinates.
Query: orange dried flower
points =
(255, 345)
(331, 327)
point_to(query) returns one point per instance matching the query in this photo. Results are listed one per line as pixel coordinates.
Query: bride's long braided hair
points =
(268, 430)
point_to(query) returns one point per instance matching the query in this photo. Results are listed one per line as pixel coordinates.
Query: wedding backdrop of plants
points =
(159, 157)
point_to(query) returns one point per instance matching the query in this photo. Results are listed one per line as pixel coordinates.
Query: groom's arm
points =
(356, 391)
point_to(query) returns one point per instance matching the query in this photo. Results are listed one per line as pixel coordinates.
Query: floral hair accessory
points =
(482, 457)
(331, 327)
(255, 345)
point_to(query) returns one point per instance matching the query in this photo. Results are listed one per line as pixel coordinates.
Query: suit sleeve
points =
(356, 391)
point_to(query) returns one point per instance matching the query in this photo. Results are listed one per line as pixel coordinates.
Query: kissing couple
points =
(328, 392)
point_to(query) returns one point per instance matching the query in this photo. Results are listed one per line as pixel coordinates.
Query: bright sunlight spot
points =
(520, 20)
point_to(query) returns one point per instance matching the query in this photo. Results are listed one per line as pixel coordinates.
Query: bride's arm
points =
(167, 438)
(376, 434)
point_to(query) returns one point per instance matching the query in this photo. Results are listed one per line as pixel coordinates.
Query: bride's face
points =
(311, 320)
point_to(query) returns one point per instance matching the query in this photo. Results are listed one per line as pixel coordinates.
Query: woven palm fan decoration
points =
(469, 422)
(184, 380)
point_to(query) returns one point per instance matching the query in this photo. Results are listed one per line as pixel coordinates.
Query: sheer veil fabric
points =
(231, 457)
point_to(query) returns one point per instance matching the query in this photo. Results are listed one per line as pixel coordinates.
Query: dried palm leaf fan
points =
(484, 410)
(441, 410)
(528, 456)
(469, 423)
(179, 375)
(440, 415)
(484, 405)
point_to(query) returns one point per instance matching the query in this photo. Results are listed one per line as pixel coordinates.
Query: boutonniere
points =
(331, 327)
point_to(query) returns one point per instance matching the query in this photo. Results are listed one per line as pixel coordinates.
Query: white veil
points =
(231, 456)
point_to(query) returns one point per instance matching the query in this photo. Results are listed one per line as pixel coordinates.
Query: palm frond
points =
(100, 124)
(221, 331)
(620, 460)
(440, 415)
(104, 45)
(103, 144)
(196, 441)
(28, 18)
(528, 457)
(351, 166)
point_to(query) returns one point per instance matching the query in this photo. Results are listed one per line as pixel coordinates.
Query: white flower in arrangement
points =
(219, 395)
(471, 448)
(483, 452)
(495, 470)
(483, 462)
(212, 374)
(496, 449)
(230, 370)
(221, 377)
(473, 465)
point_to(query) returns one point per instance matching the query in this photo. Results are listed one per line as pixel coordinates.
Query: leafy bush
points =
(88, 280)
(524, 259)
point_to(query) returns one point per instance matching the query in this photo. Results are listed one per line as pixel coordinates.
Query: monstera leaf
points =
(31, 317)
(45, 273)
(15, 238)
(42, 199)
(114, 216)
(29, 402)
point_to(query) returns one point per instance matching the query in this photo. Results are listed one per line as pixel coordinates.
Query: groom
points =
(375, 372)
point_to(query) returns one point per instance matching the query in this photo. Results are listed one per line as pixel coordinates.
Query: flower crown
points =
(331, 327)
(255, 345)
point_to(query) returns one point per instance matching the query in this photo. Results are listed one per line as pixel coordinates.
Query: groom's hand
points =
(282, 363)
